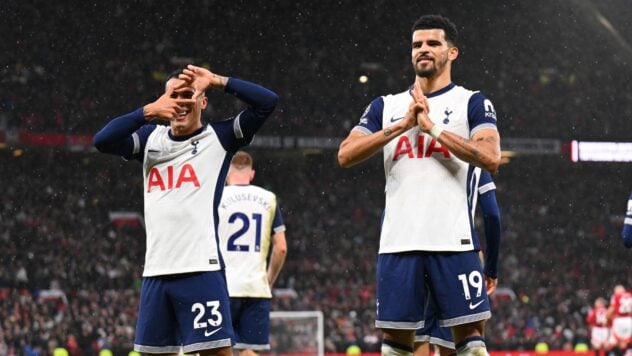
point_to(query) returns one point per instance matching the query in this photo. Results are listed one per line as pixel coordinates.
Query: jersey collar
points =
(184, 138)
(436, 93)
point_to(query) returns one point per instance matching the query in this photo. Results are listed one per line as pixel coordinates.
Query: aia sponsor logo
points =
(172, 178)
(419, 149)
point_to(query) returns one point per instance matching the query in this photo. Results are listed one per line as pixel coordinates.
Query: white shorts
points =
(622, 328)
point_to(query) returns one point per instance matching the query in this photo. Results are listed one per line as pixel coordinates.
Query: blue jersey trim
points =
(278, 218)
(219, 190)
(471, 190)
(440, 91)
(371, 120)
(480, 111)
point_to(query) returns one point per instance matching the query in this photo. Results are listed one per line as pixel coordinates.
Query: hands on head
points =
(169, 105)
(201, 79)
(178, 95)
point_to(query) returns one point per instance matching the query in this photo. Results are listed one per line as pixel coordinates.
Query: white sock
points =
(473, 348)
(388, 350)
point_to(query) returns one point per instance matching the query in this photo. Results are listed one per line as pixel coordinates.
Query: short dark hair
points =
(427, 22)
(174, 73)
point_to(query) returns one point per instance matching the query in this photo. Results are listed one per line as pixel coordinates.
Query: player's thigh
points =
(156, 327)
(401, 291)
(253, 328)
(622, 329)
(457, 283)
(203, 310)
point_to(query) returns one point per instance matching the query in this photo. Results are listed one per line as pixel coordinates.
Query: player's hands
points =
(410, 119)
(423, 108)
(491, 284)
(166, 107)
(202, 79)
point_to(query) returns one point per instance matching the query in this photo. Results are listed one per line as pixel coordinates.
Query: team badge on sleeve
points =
(363, 119)
(489, 109)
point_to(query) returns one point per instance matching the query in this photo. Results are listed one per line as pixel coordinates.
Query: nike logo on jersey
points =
(209, 333)
(394, 119)
(473, 306)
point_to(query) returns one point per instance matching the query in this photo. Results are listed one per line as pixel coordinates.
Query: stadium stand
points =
(70, 272)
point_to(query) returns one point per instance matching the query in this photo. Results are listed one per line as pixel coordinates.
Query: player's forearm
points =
(492, 237)
(359, 147)
(484, 152)
(109, 138)
(277, 259)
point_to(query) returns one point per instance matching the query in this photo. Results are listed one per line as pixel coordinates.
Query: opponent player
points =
(597, 320)
(432, 333)
(432, 136)
(250, 222)
(626, 234)
(620, 313)
(184, 300)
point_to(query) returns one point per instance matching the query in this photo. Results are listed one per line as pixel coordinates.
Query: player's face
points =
(189, 119)
(431, 53)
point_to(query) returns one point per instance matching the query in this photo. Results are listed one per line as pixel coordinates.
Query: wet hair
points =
(427, 22)
(241, 160)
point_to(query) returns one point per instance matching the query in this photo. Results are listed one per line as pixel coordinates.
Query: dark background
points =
(553, 69)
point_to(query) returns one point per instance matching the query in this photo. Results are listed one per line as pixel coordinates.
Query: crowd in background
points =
(70, 276)
(68, 68)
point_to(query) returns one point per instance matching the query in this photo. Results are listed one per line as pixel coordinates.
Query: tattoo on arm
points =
(388, 131)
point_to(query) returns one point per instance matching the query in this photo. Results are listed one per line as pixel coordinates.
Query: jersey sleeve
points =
(277, 222)
(240, 130)
(371, 119)
(480, 113)
(626, 234)
(125, 135)
(491, 219)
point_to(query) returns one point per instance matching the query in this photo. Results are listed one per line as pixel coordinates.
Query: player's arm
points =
(360, 145)
(277, 257)
(482, 149)
(491, 219)
(626, 234)
(117, 137)
(610, 313)
(279, 247)
(261, 102)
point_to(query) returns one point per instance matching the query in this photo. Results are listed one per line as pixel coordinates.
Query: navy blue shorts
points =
(432, 332)
(405, 281)
(251, 322)
(189, 310)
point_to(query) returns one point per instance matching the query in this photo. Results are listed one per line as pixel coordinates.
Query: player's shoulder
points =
(261, 190)
(250, 188)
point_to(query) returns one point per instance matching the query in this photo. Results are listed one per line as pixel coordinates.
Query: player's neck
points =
(431, 85)
(237, 180)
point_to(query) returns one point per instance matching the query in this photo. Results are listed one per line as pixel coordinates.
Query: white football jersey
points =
(430, 193)
(249, 217)
(181, 185)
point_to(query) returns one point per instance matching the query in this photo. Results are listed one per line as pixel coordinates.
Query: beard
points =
(430, 72)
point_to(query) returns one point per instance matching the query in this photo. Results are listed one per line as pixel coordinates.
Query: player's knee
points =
(473, 346)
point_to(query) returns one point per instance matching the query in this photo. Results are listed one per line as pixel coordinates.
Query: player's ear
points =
(204, 102)
(453, 53)
(252, 175)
